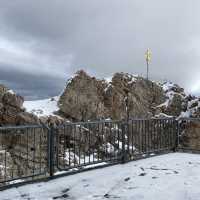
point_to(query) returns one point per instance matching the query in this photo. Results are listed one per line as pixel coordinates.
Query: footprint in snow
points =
(64, 196)
(65, 190)
(142, 168)
(127, 179)
(26, 196)
(87, 185)
(84, 180)
(108, 196)
(142, 174)
(132, 188)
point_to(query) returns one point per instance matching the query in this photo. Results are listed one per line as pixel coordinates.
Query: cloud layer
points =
(44, 42)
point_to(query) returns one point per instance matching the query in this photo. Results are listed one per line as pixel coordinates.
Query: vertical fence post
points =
(123, 143)
(51, 150)
(176, 128)
(123, 158)
(177, 135)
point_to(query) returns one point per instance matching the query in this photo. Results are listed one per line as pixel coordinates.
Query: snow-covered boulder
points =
(175, 101)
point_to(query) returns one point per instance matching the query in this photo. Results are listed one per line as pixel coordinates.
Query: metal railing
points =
(23, 153)
(89, 143)
(29, 153)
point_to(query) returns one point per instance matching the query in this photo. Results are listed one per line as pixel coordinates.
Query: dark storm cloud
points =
(53, 39)
(31, 86)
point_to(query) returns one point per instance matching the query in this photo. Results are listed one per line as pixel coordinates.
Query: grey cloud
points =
(102, 37)
(31, 86)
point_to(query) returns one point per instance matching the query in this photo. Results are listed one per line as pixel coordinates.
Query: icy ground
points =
(175, 176)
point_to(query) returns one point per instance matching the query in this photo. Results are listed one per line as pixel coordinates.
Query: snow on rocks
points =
(11, 91)
(146, 179)
(175, 98)
(45, 107)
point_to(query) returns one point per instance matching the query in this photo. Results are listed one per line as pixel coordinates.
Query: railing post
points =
(177, 135)
(123, 158)
(177, 130)
(51, 150)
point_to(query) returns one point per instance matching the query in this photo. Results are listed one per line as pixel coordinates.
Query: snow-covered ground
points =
(174, 176)
(45, 107)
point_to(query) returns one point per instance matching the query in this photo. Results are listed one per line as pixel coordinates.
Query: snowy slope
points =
(45, 107)
(173, 176)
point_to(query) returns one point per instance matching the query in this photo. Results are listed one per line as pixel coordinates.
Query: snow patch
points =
(45, 107)
(11, 91)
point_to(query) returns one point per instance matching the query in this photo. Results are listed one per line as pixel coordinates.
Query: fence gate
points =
(90, 143)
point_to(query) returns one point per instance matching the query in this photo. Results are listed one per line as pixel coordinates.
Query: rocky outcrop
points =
(11, 109)
(190, 134)
(175, 101)
(82, 98)
(134, 94)
(87, 98)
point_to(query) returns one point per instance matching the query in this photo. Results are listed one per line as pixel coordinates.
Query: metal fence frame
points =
(28, 154)
(171, 126)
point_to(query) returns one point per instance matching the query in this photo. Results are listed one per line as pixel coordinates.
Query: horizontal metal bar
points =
(188, 150)
(90, 122)
(106, 161)
(153, 118)
(189, 119)
(20, 127)
(24, 177)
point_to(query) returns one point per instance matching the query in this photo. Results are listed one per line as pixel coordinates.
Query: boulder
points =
(12, 99)
(83, 98)
(134, 94)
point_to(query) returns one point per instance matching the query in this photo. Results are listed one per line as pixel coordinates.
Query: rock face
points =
(136, 94)
(86, 98)
(190, 135)
(175, 105)
(83, 98)
(175, 101)
(11, 110)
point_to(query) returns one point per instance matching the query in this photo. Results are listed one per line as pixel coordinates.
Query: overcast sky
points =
(43, 42)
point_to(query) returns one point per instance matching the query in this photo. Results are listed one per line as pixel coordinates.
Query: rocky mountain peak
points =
(87, 98)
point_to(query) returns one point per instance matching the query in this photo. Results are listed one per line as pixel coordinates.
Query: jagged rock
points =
(194, 104)
(176, 100)
(52, 120)
(3, 90)
(190, 135)
(87, 98)
(136, 93)
(24, 118)
(175, 105)
(12, 111)
(13, 100)
(176, 88)
(82, 98)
